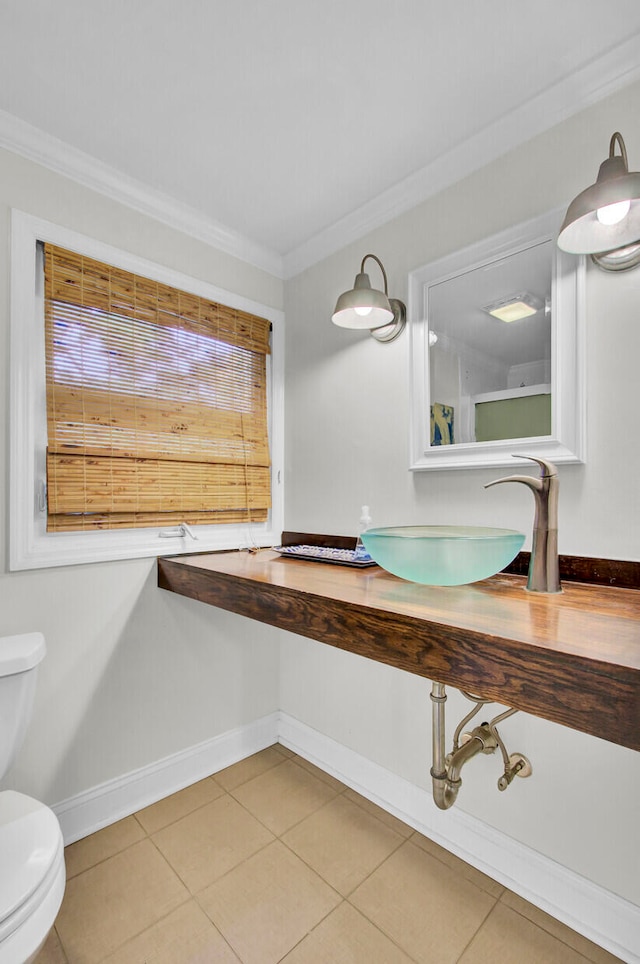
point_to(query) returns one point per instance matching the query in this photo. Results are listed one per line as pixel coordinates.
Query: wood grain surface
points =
(573, 658)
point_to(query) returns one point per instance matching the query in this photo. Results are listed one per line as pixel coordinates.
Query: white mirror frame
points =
(568, 396)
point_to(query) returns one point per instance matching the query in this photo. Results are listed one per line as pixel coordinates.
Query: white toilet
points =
(32, 871)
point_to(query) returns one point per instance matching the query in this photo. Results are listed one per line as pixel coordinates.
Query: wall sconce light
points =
(604, 220)
(365, 308)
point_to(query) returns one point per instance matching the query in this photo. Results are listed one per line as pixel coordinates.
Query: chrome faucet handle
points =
(548, 468)
(548, 471)
(544, 570)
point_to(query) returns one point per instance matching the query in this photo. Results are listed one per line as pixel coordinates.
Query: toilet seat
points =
(32, 877)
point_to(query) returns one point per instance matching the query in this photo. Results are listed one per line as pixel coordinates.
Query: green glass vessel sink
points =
(442, 555)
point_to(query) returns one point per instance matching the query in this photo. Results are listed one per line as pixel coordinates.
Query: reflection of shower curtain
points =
(526, 416)
(441, 424)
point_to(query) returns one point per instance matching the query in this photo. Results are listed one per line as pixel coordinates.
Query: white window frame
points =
(30, 545)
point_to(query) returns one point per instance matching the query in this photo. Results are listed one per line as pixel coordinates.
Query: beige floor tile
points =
(506, 936)
(210, 841)
(346, 937)
(378, 812)
(268, 904)
(186, 936)
(99, 846)
(554, 927)
(471, 873)
(52, 952)
(284, 795)
(178, 805)
(343, 843)
(285, 750)
(111, 902)
(429, 910)
(320, 774)
(251, 767)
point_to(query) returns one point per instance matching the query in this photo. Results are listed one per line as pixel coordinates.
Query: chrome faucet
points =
(544, 573)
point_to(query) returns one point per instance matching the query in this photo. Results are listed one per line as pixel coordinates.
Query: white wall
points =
(133, 674)
(347, 444)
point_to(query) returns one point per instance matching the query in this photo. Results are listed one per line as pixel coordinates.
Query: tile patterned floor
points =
(273, 860)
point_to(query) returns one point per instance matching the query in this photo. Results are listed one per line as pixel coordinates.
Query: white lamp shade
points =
(582, 232)
(362, 307)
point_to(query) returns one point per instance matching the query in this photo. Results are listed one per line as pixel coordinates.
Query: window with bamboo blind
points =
(141, 398)
(156, 402)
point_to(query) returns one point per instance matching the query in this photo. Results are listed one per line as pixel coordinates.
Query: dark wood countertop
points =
(573, 658)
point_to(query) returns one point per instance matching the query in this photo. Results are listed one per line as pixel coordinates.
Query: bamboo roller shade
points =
(156, 402)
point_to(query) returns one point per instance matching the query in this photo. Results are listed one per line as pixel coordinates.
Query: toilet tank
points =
(19, 658)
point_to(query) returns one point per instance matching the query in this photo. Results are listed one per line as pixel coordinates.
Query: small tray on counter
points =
(339, 557)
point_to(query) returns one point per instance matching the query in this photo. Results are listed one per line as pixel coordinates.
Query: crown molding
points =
(603, 76)
(30, 142)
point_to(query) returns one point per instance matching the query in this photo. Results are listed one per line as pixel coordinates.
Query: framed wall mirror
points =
(497, 365)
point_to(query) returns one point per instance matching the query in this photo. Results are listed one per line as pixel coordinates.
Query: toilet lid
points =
(30, 838)
(21, 653)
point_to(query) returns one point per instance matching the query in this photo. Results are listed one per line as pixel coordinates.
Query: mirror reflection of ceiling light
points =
(604, 219)
(515, 307)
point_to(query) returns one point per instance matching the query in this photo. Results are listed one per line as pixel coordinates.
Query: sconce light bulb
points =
(613, 213)
(363, 311)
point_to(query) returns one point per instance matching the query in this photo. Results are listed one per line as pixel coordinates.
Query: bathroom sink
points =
(442, 555)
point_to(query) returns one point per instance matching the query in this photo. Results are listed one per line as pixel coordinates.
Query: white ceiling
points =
(296, 125)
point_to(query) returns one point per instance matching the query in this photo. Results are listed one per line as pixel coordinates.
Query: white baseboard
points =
(102, 805)
(596, 913)
(602, 917)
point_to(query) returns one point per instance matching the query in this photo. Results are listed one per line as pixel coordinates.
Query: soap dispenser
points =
(360, 553)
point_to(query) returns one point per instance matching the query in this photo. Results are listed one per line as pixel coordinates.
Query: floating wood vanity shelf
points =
(572, 658)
